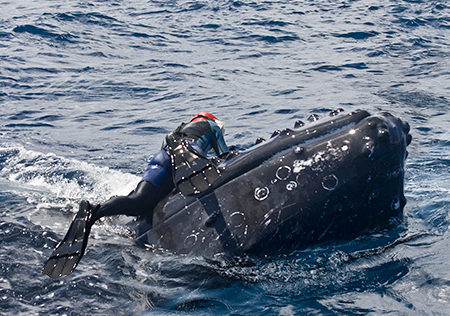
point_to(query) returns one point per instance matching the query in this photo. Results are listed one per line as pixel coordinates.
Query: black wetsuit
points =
(157, 179)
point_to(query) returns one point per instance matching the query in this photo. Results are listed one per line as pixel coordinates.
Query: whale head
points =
(342, 177)
(329, 179)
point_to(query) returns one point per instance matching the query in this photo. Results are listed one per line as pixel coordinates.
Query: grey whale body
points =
(330, 179)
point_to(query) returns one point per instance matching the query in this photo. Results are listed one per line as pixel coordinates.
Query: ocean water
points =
(88, 90)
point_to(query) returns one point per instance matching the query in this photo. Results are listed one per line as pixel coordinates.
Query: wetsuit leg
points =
(155, 184)
(139, 202)
(159, 172)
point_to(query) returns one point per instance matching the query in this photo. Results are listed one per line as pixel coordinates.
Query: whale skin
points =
(332, 178)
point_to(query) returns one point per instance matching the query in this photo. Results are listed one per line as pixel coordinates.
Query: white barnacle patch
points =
(261, 193)
(298, 166)
(330, 182)
(291, 185)
(283, 172)
(344, 148)
(314, 162)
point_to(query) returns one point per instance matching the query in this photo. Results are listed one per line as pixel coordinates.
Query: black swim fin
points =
(193, 173)
(70, 250)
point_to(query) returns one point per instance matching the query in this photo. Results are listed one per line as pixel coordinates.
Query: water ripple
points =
(89, 90)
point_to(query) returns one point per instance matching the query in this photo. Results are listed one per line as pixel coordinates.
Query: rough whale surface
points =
(331, 179)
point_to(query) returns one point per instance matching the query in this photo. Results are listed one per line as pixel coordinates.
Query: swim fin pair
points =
(193, 173)
(70, 250)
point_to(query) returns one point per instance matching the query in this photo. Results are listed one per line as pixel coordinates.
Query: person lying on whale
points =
(204, 133)
(170, 167)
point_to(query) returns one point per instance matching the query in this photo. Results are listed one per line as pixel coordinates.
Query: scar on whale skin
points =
(283, 173)
(261, 193)
(330, 182)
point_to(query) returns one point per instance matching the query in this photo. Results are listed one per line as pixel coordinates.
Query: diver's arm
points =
(218, 141)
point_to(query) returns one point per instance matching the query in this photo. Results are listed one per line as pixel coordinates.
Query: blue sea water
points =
(88, 90)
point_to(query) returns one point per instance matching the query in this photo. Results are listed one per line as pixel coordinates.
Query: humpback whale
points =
(332, 178)
(328, 179)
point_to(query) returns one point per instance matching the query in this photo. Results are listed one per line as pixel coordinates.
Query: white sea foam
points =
(47, 178)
